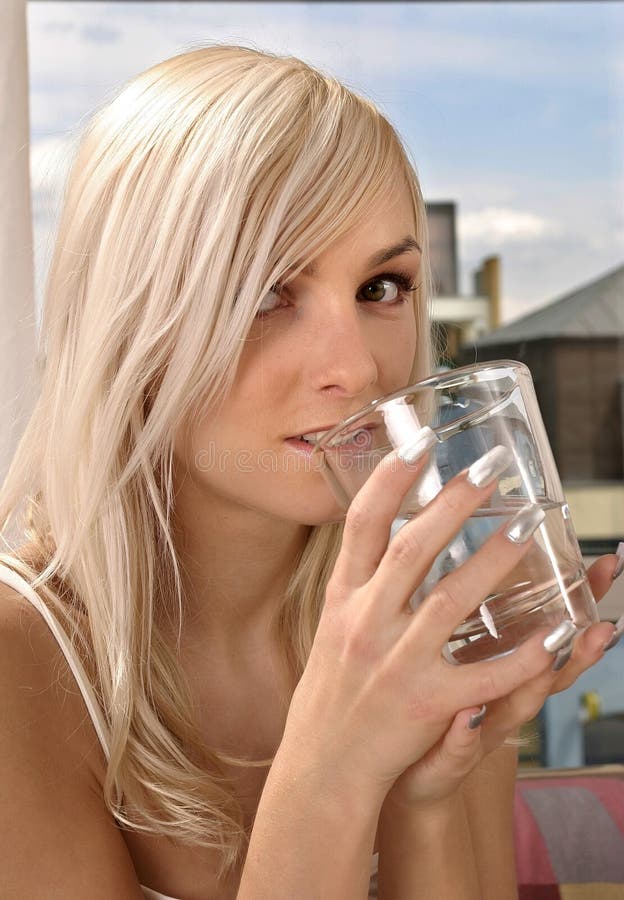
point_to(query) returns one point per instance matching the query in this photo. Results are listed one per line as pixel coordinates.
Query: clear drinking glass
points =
(472, 410)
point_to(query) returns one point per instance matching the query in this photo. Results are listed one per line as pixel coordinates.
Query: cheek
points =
(398, 354)
(262, 370)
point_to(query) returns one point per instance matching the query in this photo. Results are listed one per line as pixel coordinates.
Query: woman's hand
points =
(506, 714)
(376, 694)
(441, 771)
(588, 648)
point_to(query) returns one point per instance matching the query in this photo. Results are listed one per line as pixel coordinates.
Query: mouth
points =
(358, 437)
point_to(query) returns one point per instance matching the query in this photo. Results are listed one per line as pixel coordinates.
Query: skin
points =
(377, 723)
(317, 358)
(376, 696)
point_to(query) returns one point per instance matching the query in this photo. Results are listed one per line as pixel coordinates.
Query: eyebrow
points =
(408, 243)
(404, 246)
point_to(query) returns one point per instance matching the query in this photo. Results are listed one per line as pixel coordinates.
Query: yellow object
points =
(591, 706)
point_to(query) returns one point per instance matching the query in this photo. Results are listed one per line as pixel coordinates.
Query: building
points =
(574, 348)
(458, 319)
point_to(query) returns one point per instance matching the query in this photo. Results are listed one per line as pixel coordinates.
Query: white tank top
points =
(8, 576)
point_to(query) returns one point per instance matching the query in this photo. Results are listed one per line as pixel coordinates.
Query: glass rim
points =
(441, 379)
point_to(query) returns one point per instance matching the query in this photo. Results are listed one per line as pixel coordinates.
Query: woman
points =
(241, 261)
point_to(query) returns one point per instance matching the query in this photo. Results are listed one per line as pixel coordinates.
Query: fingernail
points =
(617, 634)
(489, 466)
(425, 438)
(620, 563)
(524, 523)
(477, 718)
(561, 636)
(561, 659)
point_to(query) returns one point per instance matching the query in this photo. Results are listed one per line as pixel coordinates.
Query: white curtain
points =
(17, 312)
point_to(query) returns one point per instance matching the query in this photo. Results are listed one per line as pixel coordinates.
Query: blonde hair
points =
(193, 190)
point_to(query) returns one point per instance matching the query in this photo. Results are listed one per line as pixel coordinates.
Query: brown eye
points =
(380, 290)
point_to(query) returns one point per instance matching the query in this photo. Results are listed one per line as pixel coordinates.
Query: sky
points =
(514, 111)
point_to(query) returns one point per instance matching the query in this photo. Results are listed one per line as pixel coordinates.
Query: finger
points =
(371, 513)
(521, 705)
(588, 649)
(600, 574)
(489, 680)
(459, 750)
(413, 549)
(458, 594)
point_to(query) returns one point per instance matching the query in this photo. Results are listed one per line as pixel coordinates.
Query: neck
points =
(236, 565)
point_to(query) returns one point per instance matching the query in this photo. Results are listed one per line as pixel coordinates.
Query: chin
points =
(316, 513)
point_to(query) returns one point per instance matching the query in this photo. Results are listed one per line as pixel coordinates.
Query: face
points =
(327, 343)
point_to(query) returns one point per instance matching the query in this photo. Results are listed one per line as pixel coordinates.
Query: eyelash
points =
(402, 280)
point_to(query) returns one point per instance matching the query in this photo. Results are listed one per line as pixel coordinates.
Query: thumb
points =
(457, 753)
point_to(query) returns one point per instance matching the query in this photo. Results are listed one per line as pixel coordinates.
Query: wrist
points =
(348, 794)
(435, 809)
(303, 816)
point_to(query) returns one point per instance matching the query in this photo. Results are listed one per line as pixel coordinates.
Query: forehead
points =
(385, 229)
(405, 245)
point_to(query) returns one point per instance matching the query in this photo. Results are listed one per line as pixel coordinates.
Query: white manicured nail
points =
(620, 564)
(617, 634)
(424, 440)
(489, 466)
(560, 637)
(524, 523)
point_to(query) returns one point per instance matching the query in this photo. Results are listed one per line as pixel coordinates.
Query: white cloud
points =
(370, 43)
(500, 226)
(100, 34)
(551, 233)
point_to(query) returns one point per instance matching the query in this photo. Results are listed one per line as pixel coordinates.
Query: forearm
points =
(489, 795)
(311, 838)
(426, 853)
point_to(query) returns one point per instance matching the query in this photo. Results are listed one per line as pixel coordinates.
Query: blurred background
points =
(513, 114)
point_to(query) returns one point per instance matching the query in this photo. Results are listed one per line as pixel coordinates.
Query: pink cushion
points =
(569, 833)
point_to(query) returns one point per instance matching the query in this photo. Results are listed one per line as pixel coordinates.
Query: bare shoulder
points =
(51, 770)
(39, 696)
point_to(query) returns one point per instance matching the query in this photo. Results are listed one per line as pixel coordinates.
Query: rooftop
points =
(594, 310)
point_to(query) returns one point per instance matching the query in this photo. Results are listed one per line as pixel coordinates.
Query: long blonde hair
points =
(193, 190)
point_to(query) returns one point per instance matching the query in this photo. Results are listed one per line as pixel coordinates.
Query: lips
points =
(357, 440)
(323, 429)
(312, 436)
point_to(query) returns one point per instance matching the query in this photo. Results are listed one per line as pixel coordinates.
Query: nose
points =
(343, 358)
